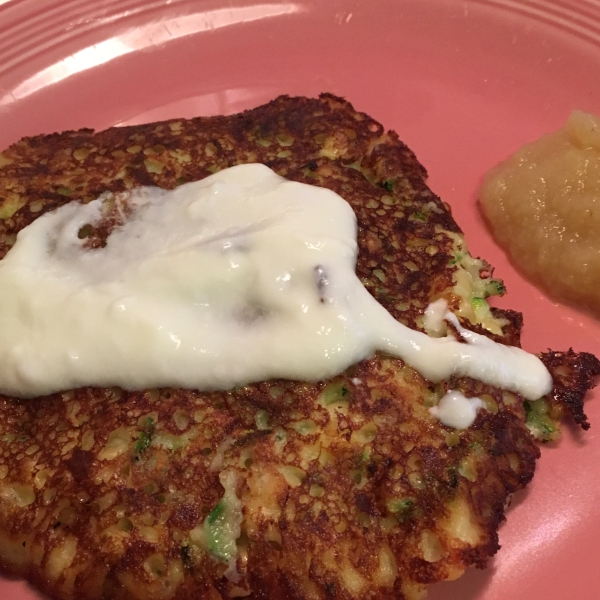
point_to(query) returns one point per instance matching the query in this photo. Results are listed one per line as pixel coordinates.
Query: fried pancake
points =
(340, 489)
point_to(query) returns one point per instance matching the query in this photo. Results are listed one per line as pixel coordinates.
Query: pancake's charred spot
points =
(186, 557)
(141, 175)
(365, 402)
(268, 127)
(364, 503)
(79, 464)
(372, 468)
(251, 438)
(452, 477)
(424, 571)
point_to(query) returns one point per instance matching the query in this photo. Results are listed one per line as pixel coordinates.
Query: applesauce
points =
(543, 206)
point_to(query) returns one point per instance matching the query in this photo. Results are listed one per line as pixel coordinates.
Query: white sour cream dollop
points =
(241, 277)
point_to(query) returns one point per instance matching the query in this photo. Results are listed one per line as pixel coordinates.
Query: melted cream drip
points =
(456, 410)
(434, 318)
(243, 276)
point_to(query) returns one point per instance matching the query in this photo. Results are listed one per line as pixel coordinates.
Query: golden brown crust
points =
(350, 488)
(342, 505)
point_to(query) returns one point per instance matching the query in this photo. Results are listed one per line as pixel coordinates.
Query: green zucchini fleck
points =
(494, 287)
(539, 422)
(401, 508)
(387, 185)
(334, 393)
(145, 438)
(222, 525)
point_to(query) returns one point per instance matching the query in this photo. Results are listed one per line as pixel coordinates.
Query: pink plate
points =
(464, 83)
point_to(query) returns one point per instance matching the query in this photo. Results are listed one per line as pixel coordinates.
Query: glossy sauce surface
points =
(456, 410)
(243, 276)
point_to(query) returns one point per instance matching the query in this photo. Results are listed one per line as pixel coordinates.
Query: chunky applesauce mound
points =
(543, 206)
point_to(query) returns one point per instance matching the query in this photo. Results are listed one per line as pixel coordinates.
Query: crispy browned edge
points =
(573, 374)
(328, 137)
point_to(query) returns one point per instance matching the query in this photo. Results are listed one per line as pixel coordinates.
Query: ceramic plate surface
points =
(464, 83)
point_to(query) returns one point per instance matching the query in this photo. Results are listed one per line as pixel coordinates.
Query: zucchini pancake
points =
(343, 489)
